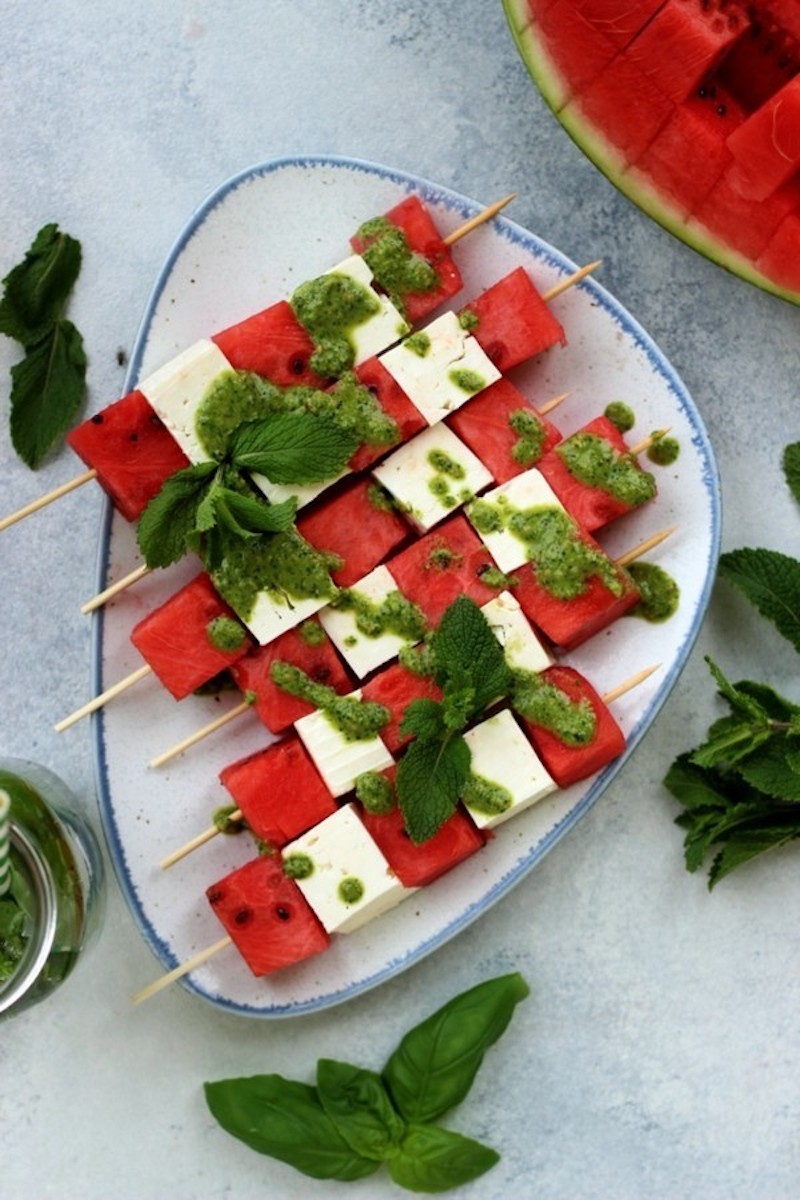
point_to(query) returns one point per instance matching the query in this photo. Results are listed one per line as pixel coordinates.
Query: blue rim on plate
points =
(514, 240)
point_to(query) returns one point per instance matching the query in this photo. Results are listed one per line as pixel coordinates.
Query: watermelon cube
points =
(131, 450)
(683, 42)
(568, 759)
(395, 687)
(766, 147)
(575, 44)
(504, 429)
(418, 864)
(595, 506)
(626, 104)
(423, 239)
(191, 637)
(271, 343)
(394, 402)
(449, 561)
(780, 258)
(307, 647)
(278, 791)
(511, 321)
(569, 623)
(358, 524)
(266, 916)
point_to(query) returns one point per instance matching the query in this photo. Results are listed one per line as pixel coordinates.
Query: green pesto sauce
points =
(659, 592)
(312, 633)
(446, 471)
(418, 343)
(530, 432)
(468, 320)
(466, 380)
(222, 821)
(225, 634)
(564, 562)
(357, 720)
(330, 308)
(239, 396)
(494, 577)
(664, 450)
(350, 890)
(379, 498)
(375, 792)
(298, 865)
(441, 558)
(397, 268)
(621, 415)
(393, 614)
(418, 660)
(595, 462)
(544, 704)
(484, 796)
(284, 565)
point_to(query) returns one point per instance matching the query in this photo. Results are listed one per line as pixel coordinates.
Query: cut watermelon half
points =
(690, 107)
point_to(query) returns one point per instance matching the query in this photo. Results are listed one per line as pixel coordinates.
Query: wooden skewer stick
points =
(115, 588)
(196, 842)
(480, 218)
(544, 409)
(648, 544)
(212, 727)
(48, 498)
(104, 697)
(647, 442)
(570, 281)
(196, 960)
(629, 684)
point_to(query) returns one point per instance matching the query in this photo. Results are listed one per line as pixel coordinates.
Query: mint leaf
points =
(771, 582)
(36, 290)
(430, 779)
(432, 1159)
(357, 1102)
(791, 468)
(772, 771)
(293, 447)
(435, 1064)
(465, 647)
(47, 390)
(423, 719)
(744, 845)
(167, 524)
(729, 740)
(286, 1120)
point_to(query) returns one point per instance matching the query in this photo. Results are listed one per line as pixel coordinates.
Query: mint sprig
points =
(352, 1119)
(469, 666)
(740, 788)
(48, 385)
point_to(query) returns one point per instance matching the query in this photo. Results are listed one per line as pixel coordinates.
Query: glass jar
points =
(51, 910)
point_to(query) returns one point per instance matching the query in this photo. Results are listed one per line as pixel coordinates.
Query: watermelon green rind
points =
(632, 184)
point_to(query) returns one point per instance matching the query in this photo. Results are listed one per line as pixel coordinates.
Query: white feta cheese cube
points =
(383, 328)
(364, 652)
(528, 490)
(508, 776)
(342, 873)
(339, 760)
(175, 390)
(522, 648)
(440, 367)
(305, 492)
(432, 475)
(271, 615)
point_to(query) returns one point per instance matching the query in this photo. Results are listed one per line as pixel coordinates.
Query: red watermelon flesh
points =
(307, 647)
(395, 687)
(266, 916)
(417, 865)
(684, 41)
(271, 343)
(782, 251)
(358, 524)
(175, 639)
(131, 450)
(617, 20)
(766, 147)
(762, 62)
(484, 423)
(394, 402)
(512, 323)
(412, 216)
(581, 57)
(568, 764)
(278, 791)
(632, 125)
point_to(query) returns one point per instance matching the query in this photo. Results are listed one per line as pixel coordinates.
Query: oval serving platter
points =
(252, 242)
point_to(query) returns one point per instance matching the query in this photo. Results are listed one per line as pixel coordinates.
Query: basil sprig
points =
(48, 385)
(353, 1119)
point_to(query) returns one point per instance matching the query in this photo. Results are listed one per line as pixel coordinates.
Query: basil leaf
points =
(357, 1102)
(166, 527)
(293, 447)
(47, 390)
(36, 290)
(435, 1064)
(430, 779)
(432, 1159)
(285, 1120)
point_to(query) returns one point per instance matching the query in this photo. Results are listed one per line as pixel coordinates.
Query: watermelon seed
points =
(282, 913)
(243, 916)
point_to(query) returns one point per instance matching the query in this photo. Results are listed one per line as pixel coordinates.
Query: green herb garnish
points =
(48, 385)
(353, 1119)
(740, 789)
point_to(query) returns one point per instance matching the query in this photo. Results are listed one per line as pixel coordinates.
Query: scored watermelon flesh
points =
(766, 147)
(684, 42)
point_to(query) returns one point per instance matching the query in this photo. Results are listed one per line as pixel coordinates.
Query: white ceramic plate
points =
(249, 244)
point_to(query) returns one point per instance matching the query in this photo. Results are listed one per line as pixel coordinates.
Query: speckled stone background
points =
(657, 1056)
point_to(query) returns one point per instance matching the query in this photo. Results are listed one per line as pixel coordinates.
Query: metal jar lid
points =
(42, 934)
